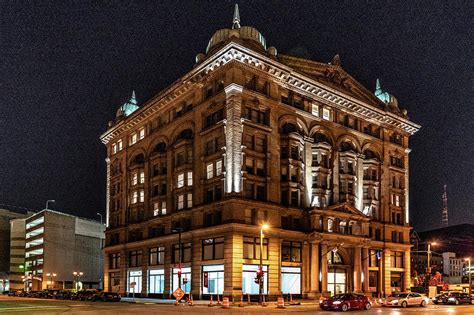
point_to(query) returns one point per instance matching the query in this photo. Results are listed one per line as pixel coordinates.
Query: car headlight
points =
(337, 302)
(395, 301)
(452, 299)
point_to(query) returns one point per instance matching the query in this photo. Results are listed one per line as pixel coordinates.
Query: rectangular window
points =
(180, 202)
(213, 279)
(219, 168)
(185, 274)
(260, 168)
(142, 196)
(213, 248)
(249, 168)
(291, 251)
(252, 248)
(141, 133)
(114, 148)
(326, 114)
(114, 261)
(133, 138)
(190, 178)
(134, 179)
(397, 200)
(135, 258)
(374, 257)
(142, 177)
(156, 281)
(291, 280)
(135, 276)
(180, 180)
(209, 171)
(189, 200)
(248, 279)
(396, 260)
(163, 208)
(185, 252)
(315, 109)
(156, 209)
(134, 197)
(120, 145)
(156, 255)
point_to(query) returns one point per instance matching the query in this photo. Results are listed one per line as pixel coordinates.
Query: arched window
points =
(160, 148)
(138, 159)
(321, 138)
(369, 155)
(288, 128)
(186, 134)
(347, 146)
(334, 258)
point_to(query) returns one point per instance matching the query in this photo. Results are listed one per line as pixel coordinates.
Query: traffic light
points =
(179, 272)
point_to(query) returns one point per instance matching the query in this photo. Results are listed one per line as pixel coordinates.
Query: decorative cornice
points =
(280, 72)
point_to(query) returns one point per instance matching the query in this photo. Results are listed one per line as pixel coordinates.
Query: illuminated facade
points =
(251, 136)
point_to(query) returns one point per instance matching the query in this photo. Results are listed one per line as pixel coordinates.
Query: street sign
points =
(178, 293)
(206, 279)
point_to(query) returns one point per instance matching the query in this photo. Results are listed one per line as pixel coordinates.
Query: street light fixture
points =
(48, 201)
(51, 278)
(77, 275)
(469, 273)
(263, 227)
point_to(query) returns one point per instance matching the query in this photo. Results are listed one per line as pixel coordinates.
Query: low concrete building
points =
(57, 245)
(6, 215)
(452, 267)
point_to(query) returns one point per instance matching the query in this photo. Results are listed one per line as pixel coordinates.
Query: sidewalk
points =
(205, 302)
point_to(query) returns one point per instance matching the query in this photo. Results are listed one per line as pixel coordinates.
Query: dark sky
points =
(67, 65)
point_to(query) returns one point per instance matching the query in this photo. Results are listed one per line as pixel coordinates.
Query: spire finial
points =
(133, 100)
(236, 22)
(377, 85)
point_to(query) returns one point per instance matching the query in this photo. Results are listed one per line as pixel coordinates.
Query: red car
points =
(346, 301)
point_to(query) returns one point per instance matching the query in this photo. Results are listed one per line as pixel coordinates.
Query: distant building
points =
(452, 267)
(6, 215)
(55, 246)
(247, 137)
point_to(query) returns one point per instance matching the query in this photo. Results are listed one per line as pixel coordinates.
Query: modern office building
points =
(250, 136)
(55, 246)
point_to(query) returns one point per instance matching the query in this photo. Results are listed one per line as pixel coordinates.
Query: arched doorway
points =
(337, 275)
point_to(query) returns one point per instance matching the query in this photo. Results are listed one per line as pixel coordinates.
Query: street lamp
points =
(76, 277)
(48, 201)
(263, 227)
(179, 230)
(469, 273)
(428, 268)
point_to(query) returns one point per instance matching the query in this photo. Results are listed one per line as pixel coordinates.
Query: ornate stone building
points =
(251, 136)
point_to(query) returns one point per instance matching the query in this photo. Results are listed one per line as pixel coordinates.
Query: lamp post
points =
(77, 275)
(179, 230)
(428, 268)
(48, 201)
(469, 273)
(260, 279)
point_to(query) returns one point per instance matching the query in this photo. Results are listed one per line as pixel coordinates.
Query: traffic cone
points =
(191, 300)
(210, 302)
(241, 304)
(280, 302)
(225, 302)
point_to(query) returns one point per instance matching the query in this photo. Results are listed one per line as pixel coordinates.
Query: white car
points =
(405, 299)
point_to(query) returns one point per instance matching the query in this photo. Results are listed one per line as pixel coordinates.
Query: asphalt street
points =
(13, 305)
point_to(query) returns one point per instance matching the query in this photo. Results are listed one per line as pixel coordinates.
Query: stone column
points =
(365, 269)
(386, 288)
(314, 270)
(308, 180)
(357, 269)
(233, 139)
(360, 184)
(406, 271)
(144, 292)
(107, 194)
(324, 269)
(123, 272)
(335, 179)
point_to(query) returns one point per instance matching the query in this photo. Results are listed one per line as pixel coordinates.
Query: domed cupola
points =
(247, 34)
(128, 107)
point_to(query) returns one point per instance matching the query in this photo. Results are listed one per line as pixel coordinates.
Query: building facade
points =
(55, 245)
(248, 137)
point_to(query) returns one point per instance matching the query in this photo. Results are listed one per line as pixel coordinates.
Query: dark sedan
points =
(459, 298)
(107, 297)
(346, 302)
(441, 299)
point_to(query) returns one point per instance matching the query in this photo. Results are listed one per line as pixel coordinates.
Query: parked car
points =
(49, 293)
(17, 293)
(64, 295)
(86, 295)
(34, 294)
(459, 298)
(441, 299)
(346, 301)
(405, 299)
(106, 297)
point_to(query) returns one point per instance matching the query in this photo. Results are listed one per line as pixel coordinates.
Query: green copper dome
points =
(128, 107)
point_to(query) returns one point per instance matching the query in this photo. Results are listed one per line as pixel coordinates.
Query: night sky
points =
(66, 66)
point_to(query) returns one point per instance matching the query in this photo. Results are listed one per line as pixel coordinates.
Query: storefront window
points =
(291, 280)
(135, 276)
(373, 281)
(156, 281)
(213, 279)
(248, 279)
(337, 281)
(185, 279)
(114, 281)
